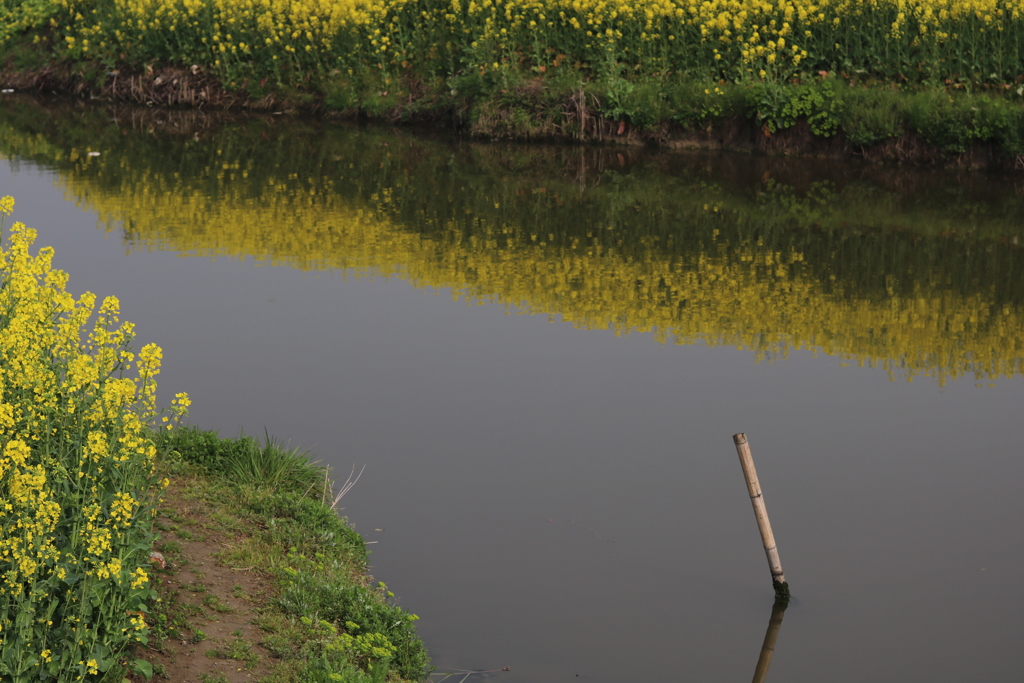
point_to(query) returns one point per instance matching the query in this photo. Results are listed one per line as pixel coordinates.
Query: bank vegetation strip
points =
(81, 479)
(863, 73)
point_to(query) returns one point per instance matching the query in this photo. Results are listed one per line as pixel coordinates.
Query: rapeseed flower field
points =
(77, 482)
(931, 41)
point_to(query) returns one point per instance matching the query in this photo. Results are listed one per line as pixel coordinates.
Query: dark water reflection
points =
(563, 499)
(917, 274)
(771, 637)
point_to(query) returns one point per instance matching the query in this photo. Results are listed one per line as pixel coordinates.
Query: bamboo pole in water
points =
(763, 525)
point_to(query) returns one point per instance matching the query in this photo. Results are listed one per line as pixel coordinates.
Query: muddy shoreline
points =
(576, 121)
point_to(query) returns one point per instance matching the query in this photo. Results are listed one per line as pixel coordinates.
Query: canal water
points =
(541, 354)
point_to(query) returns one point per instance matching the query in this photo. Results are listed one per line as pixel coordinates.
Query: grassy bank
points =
(926, 78)
(85, 459)
(263, 576)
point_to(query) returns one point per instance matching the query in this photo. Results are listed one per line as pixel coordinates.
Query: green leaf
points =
(143, 667)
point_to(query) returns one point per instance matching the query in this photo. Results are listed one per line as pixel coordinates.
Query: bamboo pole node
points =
(761, 514)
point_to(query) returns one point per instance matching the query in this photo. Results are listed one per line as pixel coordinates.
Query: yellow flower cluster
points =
(215, 32)
(648, 35)
(76, 468)
(734, 39)
(140, 578)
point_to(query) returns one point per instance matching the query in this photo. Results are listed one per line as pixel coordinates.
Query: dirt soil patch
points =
(206, 622)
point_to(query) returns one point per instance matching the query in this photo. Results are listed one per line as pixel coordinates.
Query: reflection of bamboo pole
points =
(770, 636)
(763, 525)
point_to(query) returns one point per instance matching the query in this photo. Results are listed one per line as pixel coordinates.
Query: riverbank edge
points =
(823, 119)
(287, 551)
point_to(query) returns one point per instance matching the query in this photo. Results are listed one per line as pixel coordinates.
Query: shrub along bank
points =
(950, 73)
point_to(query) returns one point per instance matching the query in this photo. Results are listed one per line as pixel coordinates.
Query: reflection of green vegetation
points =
(913, 272)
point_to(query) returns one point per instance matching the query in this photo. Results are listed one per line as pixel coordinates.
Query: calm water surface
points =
(541, 355)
